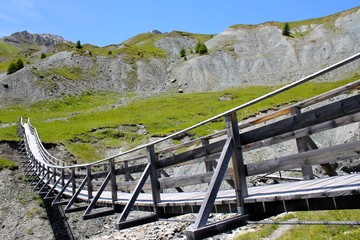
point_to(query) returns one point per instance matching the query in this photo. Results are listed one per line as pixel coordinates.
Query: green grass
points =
(5, 163)
(312, 232)
(89, 124)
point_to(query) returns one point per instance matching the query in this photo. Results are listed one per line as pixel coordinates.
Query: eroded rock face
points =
(239, 56)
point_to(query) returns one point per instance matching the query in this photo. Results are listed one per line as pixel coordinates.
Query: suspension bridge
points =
(144, 179)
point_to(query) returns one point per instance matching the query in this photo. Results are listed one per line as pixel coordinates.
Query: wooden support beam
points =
(314, 157)
(134, 195)
(154, 177)
(57, 201)
(97, 196)
(89, 184)
(76, 194)
(238, 166)
(302, 146)
(329, 112)
(216, 228)
(215, 183)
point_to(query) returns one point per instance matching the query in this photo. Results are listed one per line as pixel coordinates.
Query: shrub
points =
(13, 67)
(182, 52)
(43, 55)
(203, 49)
(197, 46)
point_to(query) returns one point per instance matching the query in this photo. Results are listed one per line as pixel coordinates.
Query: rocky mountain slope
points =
(150, 63)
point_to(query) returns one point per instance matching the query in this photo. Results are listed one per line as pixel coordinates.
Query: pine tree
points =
(12, 68)
(286, 30)
(78, 44)
(19, 64)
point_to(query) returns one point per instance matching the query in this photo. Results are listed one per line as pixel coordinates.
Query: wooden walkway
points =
(141, 179)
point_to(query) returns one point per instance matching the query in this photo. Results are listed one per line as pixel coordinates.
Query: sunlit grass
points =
(73, 120)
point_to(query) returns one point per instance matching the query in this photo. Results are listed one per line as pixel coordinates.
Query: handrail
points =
(226, 113)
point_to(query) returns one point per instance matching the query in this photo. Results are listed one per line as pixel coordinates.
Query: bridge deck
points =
(319, 188)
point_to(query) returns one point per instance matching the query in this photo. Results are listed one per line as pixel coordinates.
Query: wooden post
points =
(155, 186)
(73, 180)
(238, 167)
(89, 179)
(208, 164)
(302, 146)
(113, 181)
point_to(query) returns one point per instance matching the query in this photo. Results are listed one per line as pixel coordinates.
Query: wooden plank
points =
(314, 157)
(192, 154)
(326, 113)
(304, 131)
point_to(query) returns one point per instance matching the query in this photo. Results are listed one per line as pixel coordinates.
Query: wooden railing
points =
(147, 169)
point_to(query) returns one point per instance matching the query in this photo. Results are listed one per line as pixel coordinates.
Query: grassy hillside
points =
(89, 124)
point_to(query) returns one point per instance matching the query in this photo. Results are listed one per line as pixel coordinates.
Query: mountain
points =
(27, 38)
(150, 63)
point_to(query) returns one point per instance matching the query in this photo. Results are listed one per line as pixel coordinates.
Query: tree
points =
(78, 44)
(286, 30)
(197, 46)
(182, 52)
(43, 55)
(12, 68)
(203, 49)
(19, 64)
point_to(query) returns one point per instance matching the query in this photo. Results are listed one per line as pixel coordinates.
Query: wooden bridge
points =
(147, 178)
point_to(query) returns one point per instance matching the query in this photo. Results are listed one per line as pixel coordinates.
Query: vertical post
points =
(89, 184)
(127, 173)
(73, 183)
(302, 146)
(155, 186)
(113, 181)
(62, 177)
(54, 172)
(238, 166)
(208, 164)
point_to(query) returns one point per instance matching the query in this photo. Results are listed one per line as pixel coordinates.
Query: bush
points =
(182, 52)
(197, 46)
(203, 49)
(13, 67)
(43, 55)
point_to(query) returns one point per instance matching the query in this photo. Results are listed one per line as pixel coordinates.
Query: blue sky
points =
(113, 21)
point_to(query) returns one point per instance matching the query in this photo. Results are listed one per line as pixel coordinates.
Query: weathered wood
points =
(89, 184)
(98, 194)
(134, 195)
(314, 157)
(216, 228)
(215, 183)
(306, 131)
(76, 194)
(302, 146)
(326, 166)
(154, 176)
(238, 167)
(114, 188)
(326, 113)
(192, 154)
